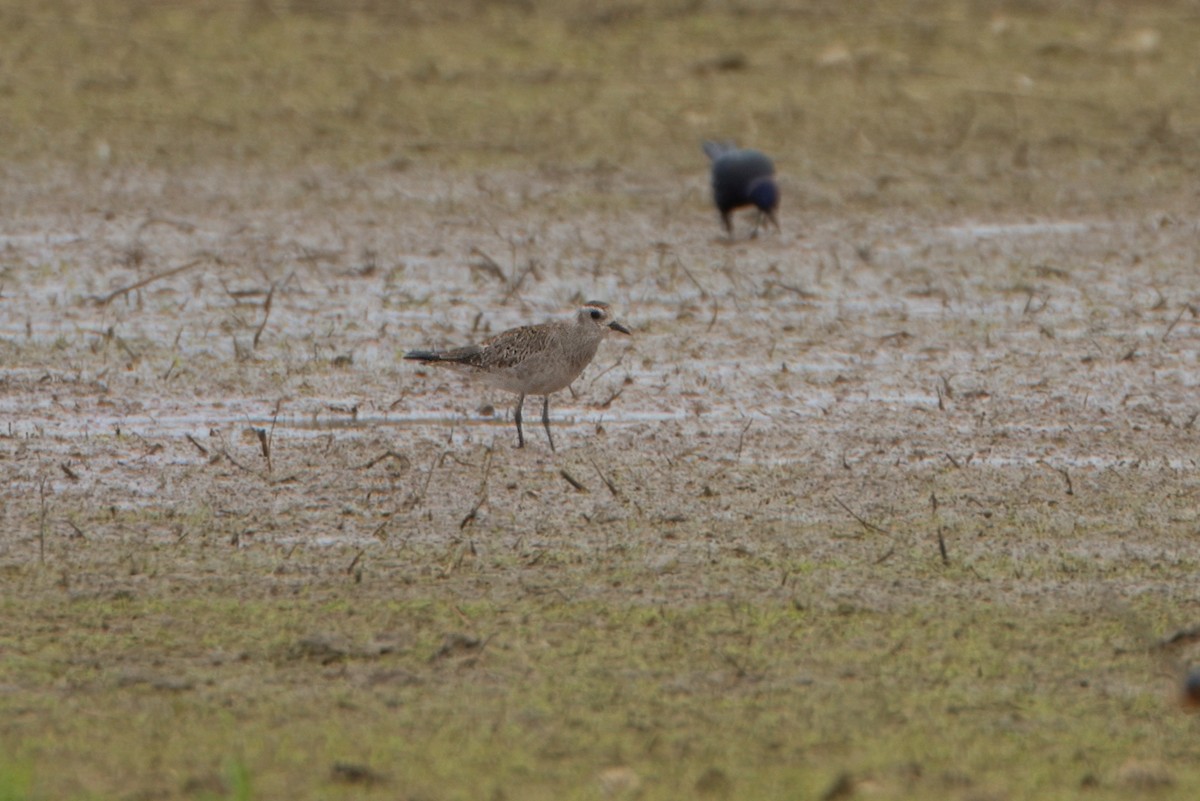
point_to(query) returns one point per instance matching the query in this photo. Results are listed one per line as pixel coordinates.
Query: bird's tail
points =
(715, 149)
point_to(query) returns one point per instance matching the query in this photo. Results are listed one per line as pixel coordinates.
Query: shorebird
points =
(742, 178)
(532, 359)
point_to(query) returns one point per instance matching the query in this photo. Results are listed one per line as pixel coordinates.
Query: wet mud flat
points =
(892, 472)
(927, 347)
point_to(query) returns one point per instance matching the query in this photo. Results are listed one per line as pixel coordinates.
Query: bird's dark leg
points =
(520, 436)
(728, 223)
(546, 419)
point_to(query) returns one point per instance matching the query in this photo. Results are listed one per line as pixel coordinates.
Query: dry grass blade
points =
(104, 300)
(400, 458)
(572, 480)
(487, 265)
(1171, 327)
(867, 524)
(608, 483)
(266, 314)
(203, 450)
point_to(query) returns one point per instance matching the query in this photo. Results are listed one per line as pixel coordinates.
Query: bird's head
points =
(597, 313)
(764, 193)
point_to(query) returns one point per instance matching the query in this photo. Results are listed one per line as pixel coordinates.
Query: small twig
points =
(271, 433)
(487, 265)
(236, 463)
(266, 314)
(1174, 322)
(1062, 471)
(572, 480)
(264, 444)
(804, 293)
(354, 562)
(71, 474)
(604, 404)
(611, 486)
(742, 437)
(43, 511)
(483, 492)
(942, 548)
(608, 369)
(704, 295)
(471, 515)
(203, 450)
(864, 522)
(104, 300)
(399, 457)
(437, 462)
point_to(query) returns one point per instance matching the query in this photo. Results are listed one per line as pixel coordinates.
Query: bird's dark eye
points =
(597, 314)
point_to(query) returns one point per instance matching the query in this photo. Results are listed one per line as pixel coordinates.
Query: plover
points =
(742, 178)
(532, 359)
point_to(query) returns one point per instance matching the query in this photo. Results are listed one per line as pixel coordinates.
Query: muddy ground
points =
(875, 419)
(898, 502)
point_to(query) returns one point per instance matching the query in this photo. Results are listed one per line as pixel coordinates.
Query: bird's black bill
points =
(614, 325)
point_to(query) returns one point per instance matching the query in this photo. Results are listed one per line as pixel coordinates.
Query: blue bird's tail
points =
(716, 149)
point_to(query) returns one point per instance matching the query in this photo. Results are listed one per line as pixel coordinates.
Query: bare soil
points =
(881, 418)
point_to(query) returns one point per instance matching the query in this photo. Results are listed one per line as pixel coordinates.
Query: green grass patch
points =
(439, 694)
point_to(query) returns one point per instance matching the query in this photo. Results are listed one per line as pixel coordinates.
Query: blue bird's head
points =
(764, 193)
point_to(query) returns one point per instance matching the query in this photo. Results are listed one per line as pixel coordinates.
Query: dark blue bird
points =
(742, 178)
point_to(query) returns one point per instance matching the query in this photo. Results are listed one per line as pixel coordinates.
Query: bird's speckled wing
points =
(511, 348)
(504, 351)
